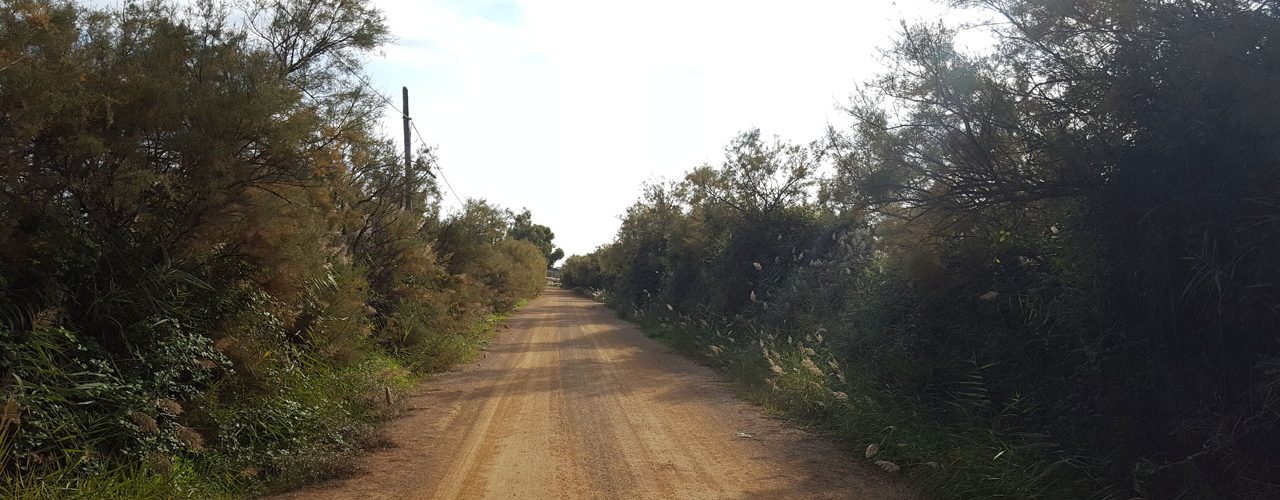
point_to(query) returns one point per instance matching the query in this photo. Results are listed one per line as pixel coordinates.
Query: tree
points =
(523, 228)
(1134, 146)
(466, 236)
(196, 216)
(756, 176)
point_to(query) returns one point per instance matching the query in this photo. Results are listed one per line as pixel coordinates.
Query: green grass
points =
(139, 481)
(305, 425)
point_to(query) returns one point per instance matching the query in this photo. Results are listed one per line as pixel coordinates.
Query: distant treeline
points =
(1050, 270)
(209, 282)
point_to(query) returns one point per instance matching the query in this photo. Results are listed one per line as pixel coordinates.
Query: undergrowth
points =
(304, 425)
(802, 377)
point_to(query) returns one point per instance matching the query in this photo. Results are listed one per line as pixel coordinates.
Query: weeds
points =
(802, 377)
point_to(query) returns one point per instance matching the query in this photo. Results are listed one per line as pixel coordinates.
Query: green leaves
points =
(201, 233)
(523, 228)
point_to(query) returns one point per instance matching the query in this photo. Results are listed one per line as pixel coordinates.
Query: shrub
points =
(209, 281)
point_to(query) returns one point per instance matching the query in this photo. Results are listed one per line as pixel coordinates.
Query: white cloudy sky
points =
(567, 106)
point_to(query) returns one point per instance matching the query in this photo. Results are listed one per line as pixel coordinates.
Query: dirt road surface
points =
(571, 402)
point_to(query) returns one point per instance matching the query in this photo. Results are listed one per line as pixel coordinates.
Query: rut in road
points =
(572, 402)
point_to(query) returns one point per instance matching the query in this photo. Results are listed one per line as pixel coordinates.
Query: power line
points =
(434, 161)
(461, 205)
(379, 94)
(418, 137)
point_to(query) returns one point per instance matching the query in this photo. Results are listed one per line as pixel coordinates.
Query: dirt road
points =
(572, 402)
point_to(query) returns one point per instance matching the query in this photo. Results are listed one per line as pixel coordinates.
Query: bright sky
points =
(567, 106)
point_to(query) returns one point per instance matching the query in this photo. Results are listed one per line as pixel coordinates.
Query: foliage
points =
(523, 228)
(587, 272)
(1057, 254)
(209, 283)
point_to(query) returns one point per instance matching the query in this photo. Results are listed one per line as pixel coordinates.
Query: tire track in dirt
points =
(572, 402)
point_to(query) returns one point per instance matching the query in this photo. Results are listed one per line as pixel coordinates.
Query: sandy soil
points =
(571, 402)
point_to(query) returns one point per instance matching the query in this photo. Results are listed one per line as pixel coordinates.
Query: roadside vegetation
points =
(1046, 271)
(214, 273)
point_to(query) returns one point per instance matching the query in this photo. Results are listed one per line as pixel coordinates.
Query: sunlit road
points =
(571, 402)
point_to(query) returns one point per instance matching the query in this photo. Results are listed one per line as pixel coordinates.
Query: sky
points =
(567, 107)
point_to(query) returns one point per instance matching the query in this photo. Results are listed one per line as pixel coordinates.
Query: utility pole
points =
(408, 160)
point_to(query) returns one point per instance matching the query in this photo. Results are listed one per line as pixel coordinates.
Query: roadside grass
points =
(358, 398)
(129, 481)
(305, 429)
(303, 425)
(800, 378)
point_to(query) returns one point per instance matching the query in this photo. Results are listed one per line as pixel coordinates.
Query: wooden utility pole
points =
(408, 160)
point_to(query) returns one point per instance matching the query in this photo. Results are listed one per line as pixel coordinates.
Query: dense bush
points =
(585, 271)
(209, 281)
(1059, 254)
